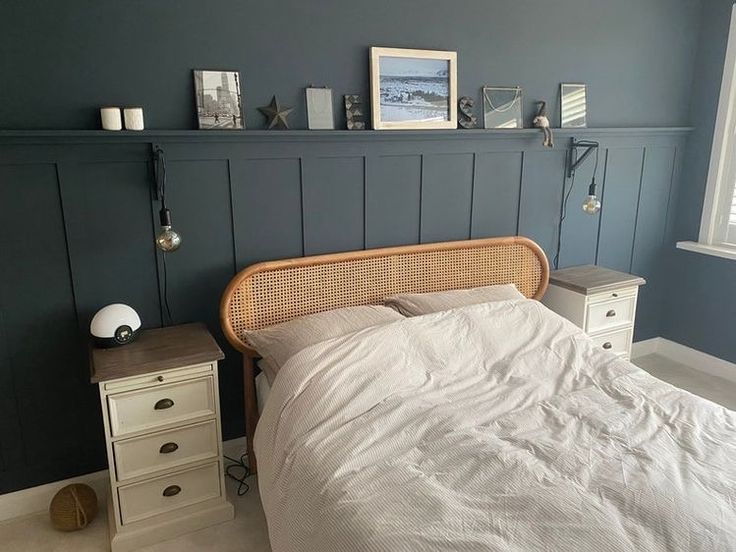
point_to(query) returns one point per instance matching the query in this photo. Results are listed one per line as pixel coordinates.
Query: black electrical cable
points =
(161, 185)
(166, 288)
(241, 464)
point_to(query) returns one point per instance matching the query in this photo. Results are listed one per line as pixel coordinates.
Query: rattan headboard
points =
(277, 291)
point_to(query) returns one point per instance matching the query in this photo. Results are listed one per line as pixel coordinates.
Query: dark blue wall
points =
(240, 198)
(61, 60)
(703, 311)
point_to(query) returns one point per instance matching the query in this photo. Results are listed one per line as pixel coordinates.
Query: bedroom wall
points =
(77, 216)
(704, 287)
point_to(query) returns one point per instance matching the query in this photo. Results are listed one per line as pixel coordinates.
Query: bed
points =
(495, 426)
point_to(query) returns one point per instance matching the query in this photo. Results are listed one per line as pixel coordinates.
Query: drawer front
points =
(618, 343)
(158, 378)
(164, 450)
(150, 408)
(607, 315)
(163, 494)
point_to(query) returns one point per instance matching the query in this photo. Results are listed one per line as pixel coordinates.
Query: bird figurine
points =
(541, 121)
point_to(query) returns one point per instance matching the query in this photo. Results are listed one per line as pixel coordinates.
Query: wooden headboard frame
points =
(272, 292)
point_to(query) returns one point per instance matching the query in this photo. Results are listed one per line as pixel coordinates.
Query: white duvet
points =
(490, 427)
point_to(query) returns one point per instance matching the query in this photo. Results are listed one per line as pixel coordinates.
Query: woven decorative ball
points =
(73, 507)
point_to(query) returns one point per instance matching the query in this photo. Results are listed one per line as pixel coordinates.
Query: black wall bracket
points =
(159, 171)
(573, 161)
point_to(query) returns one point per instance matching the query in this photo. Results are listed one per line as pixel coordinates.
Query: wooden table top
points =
(590, 279)
(155, 350)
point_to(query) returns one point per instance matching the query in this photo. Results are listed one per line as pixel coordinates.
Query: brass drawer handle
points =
(611, 313)
(163, 404)
(168, 448)
(607, 345)
(172, 490)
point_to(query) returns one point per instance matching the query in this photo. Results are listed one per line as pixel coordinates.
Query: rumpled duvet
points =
(491, 427)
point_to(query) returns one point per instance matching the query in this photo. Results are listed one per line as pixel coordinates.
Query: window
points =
(718, 224)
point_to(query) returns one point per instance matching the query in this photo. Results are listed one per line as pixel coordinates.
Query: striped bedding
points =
(490, 427)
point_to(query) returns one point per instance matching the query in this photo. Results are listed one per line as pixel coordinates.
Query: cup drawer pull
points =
(163, 404)
(168, 448)
(172, 490)
(611, 313)
(607, 345)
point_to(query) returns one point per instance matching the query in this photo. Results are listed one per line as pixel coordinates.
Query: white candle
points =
(133, 118)
(110, 117)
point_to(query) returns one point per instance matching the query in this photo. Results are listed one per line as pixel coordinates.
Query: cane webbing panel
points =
(274, 292)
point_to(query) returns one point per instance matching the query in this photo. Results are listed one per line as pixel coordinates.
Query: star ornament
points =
(276, 115)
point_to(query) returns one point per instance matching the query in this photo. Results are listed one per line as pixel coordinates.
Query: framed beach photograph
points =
(219, 101)
(413, 89)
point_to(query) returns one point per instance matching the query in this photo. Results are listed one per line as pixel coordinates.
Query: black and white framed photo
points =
(319, 109)
(413, 89)
(219, 101)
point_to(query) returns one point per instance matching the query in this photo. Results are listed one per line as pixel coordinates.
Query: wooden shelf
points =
(147, 136)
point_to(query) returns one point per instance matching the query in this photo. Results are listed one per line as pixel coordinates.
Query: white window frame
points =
(722, 169)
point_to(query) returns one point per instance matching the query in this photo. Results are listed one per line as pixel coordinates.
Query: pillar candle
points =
(133, 118)
(110, 117)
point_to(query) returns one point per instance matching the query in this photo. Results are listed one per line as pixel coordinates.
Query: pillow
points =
(277, 344)
(415, 304)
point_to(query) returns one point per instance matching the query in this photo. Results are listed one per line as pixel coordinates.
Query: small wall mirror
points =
(573, 106)
(502, 107)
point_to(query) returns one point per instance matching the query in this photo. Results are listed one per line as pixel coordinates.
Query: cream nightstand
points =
(161, 411)
(599, 300)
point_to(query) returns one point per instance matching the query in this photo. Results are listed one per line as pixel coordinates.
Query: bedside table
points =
(600, 301)
(161, 411)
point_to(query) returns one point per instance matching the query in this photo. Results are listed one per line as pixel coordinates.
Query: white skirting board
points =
(697, 360)
(37, 499)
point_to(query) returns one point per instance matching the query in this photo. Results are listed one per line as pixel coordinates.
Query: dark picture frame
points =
(218, 99)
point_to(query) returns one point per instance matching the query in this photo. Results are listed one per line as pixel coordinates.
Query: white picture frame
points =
(413, 89)
(319, 109)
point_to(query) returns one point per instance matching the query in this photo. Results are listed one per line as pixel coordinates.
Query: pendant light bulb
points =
(167, 240)
(592, 204)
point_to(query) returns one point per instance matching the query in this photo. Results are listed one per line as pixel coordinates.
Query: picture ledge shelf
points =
(97, 136)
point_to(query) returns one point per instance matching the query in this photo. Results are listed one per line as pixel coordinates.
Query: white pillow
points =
(416, 304)
(277, 344)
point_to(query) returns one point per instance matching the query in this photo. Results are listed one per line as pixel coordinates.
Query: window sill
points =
(722, 251)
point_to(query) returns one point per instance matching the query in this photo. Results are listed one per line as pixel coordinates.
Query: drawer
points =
(158, 378)
(164, 450)
(606, 315)
(618, 343)
(163, 494)
(150, 408)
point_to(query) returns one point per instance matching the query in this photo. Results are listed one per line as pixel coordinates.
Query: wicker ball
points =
(73, 507)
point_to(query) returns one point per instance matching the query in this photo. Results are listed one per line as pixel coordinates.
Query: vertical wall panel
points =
(107, 209)
(650, 231)
(333, 203)
(447, 196)
(40, 330)
(201, 268)
(267, 209)
(496, 194)
(620, 202)
(541, 194)
(393, 188)
(580, 230)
